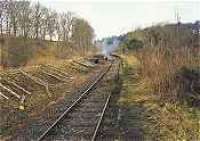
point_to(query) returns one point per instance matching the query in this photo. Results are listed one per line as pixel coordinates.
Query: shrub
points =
(134, 44)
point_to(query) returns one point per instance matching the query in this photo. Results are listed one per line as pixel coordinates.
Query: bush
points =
(132, 44)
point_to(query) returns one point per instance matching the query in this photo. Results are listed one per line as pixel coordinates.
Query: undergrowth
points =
(17, 52)
(150, 81)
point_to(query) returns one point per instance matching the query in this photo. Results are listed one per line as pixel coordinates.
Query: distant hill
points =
(168, 35)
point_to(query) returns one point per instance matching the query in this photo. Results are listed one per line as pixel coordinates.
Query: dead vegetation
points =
(157, 118)
(28, 91)
(43, 77)
(165, 84)
(17, 52)
(162, 67)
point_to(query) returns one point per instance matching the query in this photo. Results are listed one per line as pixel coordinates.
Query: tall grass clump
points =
(160, 67)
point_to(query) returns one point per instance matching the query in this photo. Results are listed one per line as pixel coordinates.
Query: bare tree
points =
(63, 24)
(82, 34)
(14, 11)
(51, 24)
(7, 16)
(37, 19)
(25, 18)
(20, 18)
(44, 22)
(2, 12)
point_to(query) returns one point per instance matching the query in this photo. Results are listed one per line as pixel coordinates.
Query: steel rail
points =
(74, 103)
(101, 118)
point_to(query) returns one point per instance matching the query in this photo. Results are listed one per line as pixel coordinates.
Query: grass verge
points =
(146, 115)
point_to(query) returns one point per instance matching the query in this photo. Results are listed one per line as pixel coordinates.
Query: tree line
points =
(34, 21)
(167, 36)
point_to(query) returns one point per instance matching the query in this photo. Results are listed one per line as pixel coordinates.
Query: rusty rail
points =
(74, 104)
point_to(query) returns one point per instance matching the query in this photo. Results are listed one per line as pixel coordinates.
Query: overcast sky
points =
(114, 17)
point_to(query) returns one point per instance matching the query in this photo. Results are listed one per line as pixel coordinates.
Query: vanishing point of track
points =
(76, 109)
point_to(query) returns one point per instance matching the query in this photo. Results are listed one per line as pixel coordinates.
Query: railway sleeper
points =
(94, 102)
(54, 76)
(85, 116)
(86, 110)
(4, 96)
(61, 71)
(10, 91)
(56, 73)
(81, 124)
(15, 87)
(37, 81)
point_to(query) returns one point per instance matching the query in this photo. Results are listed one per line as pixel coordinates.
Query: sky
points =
(115, 17)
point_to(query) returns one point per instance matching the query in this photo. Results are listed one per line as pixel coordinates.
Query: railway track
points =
(82, 120)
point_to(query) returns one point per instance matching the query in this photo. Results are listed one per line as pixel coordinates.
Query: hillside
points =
(16, 52)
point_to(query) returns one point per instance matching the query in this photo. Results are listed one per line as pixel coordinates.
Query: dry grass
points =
(130, 60)
(17, 52)
(159, 66)
(39, 102)
(151, 82)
